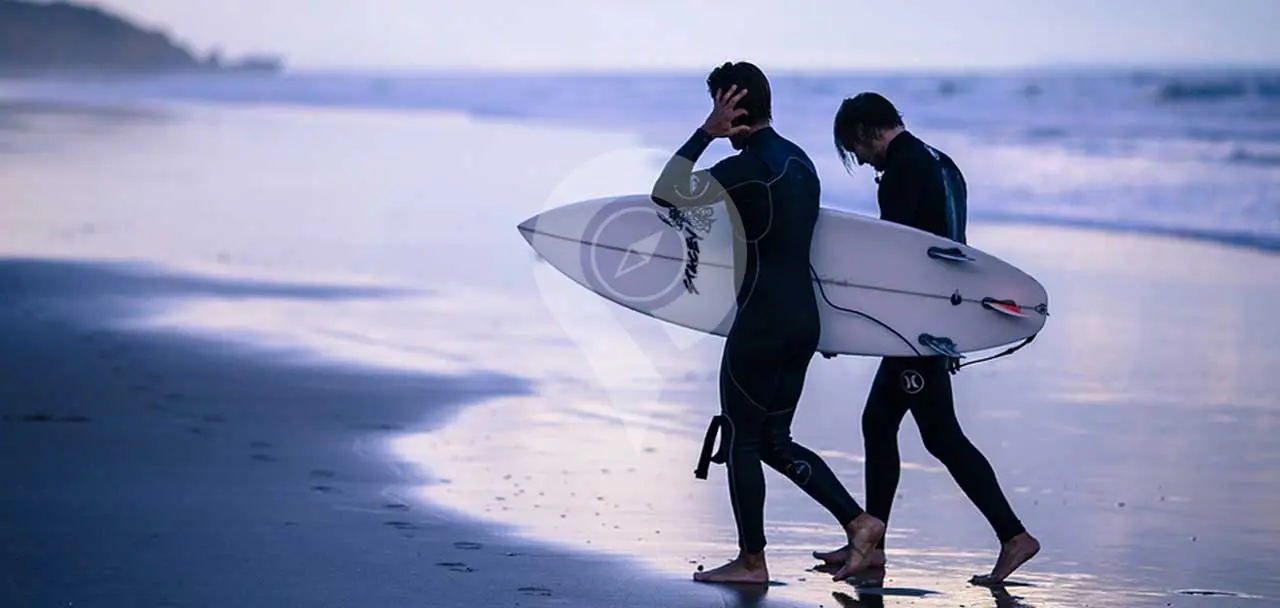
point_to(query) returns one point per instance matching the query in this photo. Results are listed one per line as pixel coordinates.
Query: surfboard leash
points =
(954, 365)
(823, 291)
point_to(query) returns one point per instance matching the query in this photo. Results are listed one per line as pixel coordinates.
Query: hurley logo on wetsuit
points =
(912, 381)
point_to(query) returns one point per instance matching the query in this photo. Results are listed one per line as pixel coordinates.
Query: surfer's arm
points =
(680, 186)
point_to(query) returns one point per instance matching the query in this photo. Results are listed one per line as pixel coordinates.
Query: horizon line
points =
(498, 69)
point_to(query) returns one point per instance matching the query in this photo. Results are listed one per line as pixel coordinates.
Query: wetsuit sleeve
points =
(680, 186)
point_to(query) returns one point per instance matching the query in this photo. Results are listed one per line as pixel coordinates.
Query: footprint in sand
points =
(467, 545)
(396, 507)
(540, 591)
(322, 489)
(456, 566)
(401, 525)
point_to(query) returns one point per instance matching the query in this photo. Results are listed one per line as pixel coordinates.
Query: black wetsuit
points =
(773, 188)
(923, 188)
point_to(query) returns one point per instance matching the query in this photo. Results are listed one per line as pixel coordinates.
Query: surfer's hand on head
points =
(724, 111)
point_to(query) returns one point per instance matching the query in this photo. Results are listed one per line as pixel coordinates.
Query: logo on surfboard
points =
(636, 261)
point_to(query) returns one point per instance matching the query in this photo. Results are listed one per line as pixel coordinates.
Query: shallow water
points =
(1136, 437)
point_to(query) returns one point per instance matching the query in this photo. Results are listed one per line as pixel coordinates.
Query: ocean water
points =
(1136, 437)
(1192, 153)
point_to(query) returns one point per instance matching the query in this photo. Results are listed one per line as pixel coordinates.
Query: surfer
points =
(772, 188)
(920, 187)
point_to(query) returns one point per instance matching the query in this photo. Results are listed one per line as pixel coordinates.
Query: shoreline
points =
(153, 468)
(17, 104)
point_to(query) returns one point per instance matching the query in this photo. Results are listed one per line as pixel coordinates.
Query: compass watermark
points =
(611, 264)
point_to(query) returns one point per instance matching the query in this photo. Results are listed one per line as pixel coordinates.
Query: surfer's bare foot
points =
(748, 568)
(864, 534)
(1017, 551)
(841, 555)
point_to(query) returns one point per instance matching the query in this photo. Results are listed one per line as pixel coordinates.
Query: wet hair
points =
(861, 118)
(758, 102)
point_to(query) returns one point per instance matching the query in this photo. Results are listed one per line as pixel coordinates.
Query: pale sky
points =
(820, 34)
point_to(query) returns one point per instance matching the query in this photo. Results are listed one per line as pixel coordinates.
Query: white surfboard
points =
(883, 289)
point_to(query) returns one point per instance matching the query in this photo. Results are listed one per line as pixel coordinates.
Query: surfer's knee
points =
(878, 421)
(942, 440)
(781, 458)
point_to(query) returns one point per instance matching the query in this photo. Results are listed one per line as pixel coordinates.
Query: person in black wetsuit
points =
(920, 187)
(771, 189)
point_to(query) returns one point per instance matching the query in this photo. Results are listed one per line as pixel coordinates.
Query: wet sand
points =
(151, 469)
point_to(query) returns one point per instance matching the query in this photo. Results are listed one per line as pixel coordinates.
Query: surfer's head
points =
(758, 101)
(864, 126)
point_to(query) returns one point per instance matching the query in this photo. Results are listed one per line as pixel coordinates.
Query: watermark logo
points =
(632, 260)
(624, 277)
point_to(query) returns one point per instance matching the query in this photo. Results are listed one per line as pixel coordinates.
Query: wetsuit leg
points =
(923, 387)
(933, 408)
(796, 462)
(744, 384)
(881, 419)
(759, 390)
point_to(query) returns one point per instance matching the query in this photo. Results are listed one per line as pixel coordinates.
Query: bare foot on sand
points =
(841, 555)
(748, 569)
(1013, 554)
(864, 534)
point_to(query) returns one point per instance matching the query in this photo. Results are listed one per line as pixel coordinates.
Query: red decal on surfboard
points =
(1008, 308)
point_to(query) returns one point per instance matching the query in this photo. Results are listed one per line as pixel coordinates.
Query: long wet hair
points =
(861, 118)
(759, 100)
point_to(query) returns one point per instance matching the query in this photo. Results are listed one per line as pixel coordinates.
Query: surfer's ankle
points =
(752, 561)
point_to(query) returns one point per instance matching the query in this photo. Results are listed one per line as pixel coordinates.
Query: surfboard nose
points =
(527, 228)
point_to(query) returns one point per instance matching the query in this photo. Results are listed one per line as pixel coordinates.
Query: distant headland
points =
(39, 38)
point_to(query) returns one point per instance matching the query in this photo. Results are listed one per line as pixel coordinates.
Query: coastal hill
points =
(62, 37)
